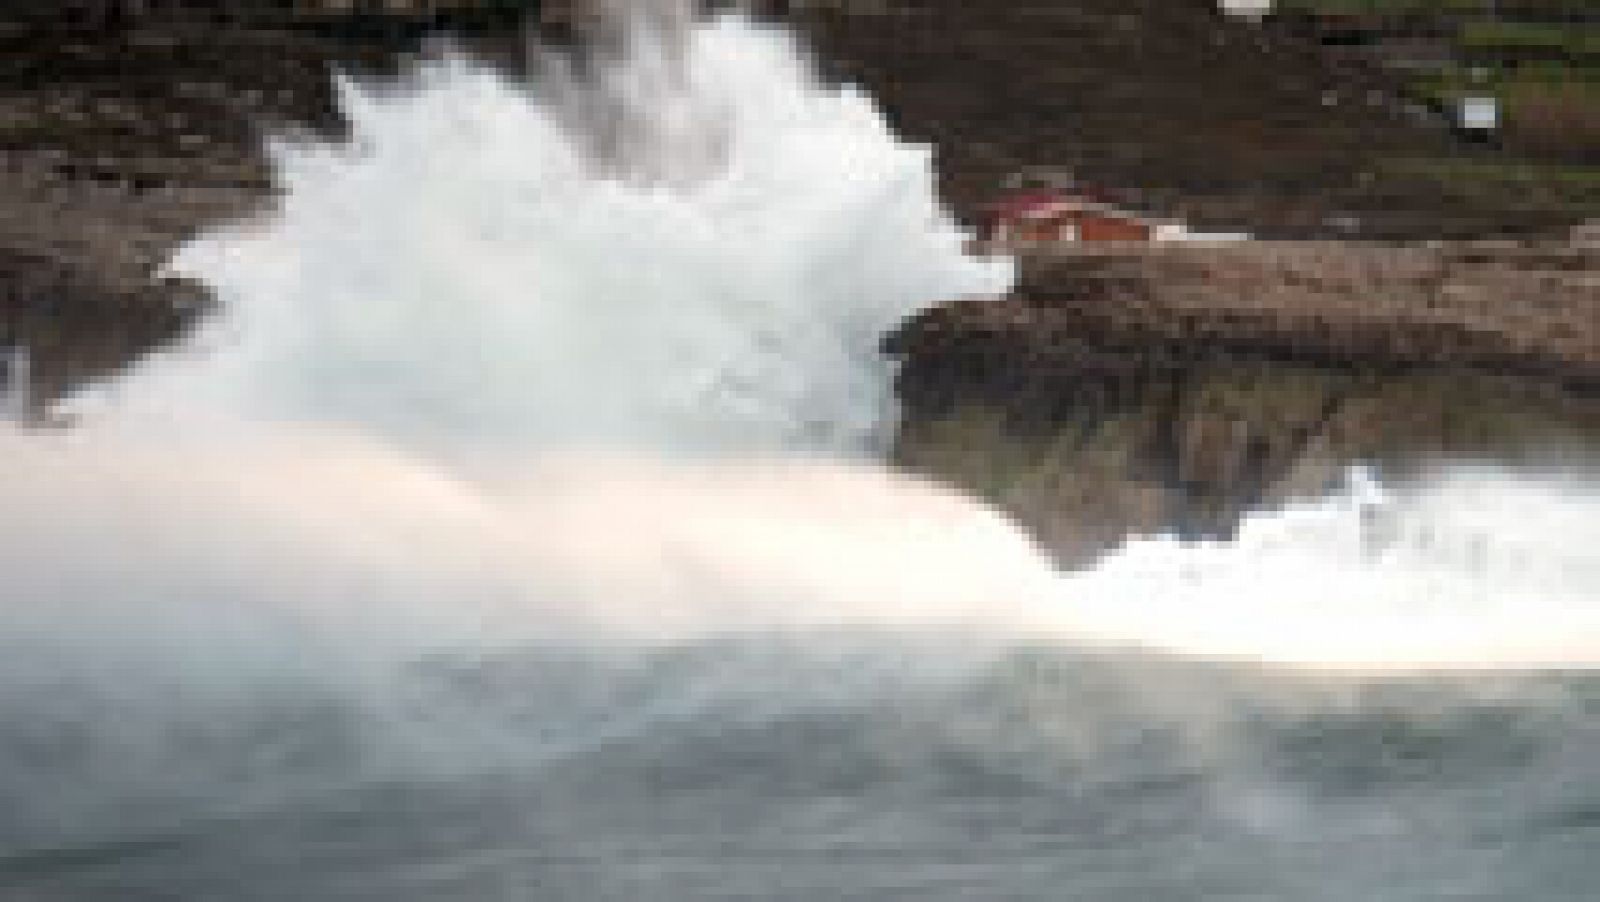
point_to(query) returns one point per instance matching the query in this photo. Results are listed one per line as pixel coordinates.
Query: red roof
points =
(1029, 204)
(1022, 204)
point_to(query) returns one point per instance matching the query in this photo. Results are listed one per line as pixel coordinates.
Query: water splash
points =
(1472, 569)
(693, 246)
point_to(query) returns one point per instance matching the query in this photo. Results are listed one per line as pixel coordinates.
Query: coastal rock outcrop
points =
(1147, 389)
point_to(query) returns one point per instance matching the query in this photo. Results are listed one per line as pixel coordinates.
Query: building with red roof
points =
(1050, 216)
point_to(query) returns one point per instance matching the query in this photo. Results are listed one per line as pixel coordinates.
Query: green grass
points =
(1552, 8)
(1507, 37)
(1545, 73)
(1539, 113)
(1584, 177)
(1545, 185)
(1509, 85)
(1383, 7)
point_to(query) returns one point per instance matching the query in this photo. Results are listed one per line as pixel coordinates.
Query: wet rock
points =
(1146, 389)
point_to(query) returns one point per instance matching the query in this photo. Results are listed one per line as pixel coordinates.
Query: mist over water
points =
(515, 530)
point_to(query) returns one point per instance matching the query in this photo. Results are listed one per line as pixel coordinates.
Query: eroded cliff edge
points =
(1138, 389)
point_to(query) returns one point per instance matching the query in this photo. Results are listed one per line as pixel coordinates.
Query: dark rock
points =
(1174, 388)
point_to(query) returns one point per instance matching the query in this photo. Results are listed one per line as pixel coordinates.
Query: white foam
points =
(697, 249)
(1473, 569)
(633, 339)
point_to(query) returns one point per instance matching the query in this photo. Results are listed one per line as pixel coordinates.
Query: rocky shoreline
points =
(1519, 308)
(1117, 390)
(1136, 389)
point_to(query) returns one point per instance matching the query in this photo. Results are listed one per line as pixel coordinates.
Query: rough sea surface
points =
(517, 533)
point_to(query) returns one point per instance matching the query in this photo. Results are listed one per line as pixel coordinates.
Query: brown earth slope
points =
(1186, 112)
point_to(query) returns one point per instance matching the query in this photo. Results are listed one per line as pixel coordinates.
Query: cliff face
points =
(1147, 389)
(1190, 451)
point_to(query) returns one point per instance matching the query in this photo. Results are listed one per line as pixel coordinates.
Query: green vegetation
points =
(1550, 8)
(1579, 178)
(1511, 86)
(1538, 185)
(1534, 56)
(1491, 37)
(1548, 110)
(1384, 7)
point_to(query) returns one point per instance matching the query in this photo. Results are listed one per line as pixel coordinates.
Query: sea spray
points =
(694, 256)
(253, 623)
(1471, 568)
(523, 446)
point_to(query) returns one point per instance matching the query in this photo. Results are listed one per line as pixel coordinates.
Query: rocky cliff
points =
(1149, 388)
